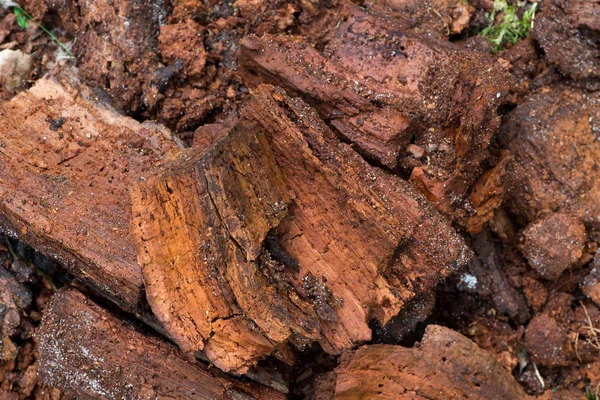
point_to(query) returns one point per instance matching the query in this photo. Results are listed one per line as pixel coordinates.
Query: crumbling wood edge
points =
(67, 163)
(445, 365)
(242, 257)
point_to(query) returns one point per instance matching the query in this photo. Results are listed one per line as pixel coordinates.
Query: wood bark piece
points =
(446, 365)
(90, 353)
(382, 90)
(285, 233)
(67, 164)
(117, 48)
(199, 224)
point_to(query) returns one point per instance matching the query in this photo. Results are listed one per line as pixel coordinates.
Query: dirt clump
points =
(553, 244)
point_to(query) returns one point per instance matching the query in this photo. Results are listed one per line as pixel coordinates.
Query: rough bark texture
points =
(92, 354)
(446, 365)
(67, 164)
(273, 232)
(419, 106)
(199, 227)
(553, 135)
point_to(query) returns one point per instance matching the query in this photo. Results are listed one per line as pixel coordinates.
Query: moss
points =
(511, 28)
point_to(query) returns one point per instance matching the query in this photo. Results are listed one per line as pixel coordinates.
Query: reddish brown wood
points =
(445, 365)
(67, 164)
(285, 234)
(382, 90)
(90, 353)
(435, 18)
(553, 135)
(566, 32)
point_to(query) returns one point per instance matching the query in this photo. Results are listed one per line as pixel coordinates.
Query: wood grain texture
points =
(445, 365)
(285, 233)
(67, 164)
(383, 90)
(91, 353)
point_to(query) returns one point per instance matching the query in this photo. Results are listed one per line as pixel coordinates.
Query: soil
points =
(522, 191)
(28, 280)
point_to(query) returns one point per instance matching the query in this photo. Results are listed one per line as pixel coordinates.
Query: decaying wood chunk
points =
(90, 353)
(547, 335)
(553, 135)
(341, 207)
(437, 18)
(382, 90)
(446, 365)
(200, 224)
(67, 164)
(117, 49)
(553, 244)
(285, 234)
(568, 33)
(487, 275)
(584, 14)
(14, 298)
(488, 192)
(564, 332)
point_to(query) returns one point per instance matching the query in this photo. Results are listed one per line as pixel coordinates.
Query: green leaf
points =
(22, 21)
(21, 18)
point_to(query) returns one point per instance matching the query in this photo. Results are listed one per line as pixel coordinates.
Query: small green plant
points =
(589, 395)
(510, 29)
(23, 18)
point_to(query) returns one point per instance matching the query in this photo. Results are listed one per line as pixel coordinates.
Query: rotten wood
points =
(568, 32)
(382, 91)
(435, 18)
(445, 365)
(553, 136)
(267, 241)
(90, 353)
(67, 164)
(553, 244)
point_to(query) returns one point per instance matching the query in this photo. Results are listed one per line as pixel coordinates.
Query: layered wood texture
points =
(281, 236)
